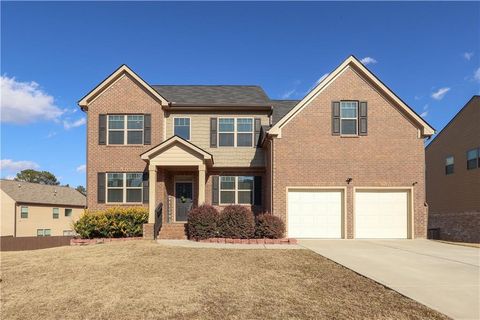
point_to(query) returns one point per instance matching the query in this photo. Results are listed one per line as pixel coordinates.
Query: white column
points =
(152, 181)
(201, 184)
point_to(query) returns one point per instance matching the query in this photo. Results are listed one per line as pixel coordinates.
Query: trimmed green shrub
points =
(203, 222)
(236, 222)
(112, 223)
(269, 226)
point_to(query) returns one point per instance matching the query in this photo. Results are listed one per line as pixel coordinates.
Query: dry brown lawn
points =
(145, 280)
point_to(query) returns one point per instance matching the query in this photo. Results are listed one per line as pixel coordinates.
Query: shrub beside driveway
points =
(145, 280)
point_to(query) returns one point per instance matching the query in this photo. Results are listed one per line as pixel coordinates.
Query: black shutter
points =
(101, 187)
(102, 129)
(145, 187)
(258, 127)
(258, 191)
(362, 119)
(147, 129)
(335, 118)
(213, 132)
(215, 190)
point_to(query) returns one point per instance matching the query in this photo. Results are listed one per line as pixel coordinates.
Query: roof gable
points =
(180, 144)
(111, 79)
(352, 62)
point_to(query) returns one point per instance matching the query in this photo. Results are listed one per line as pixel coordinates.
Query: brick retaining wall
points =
(462, 226)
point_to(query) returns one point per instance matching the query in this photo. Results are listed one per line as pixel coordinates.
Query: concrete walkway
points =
(194, 244)
(441, 276)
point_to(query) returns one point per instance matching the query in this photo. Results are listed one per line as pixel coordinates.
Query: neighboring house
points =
(32, 209)
(453, 176)
(346, 161)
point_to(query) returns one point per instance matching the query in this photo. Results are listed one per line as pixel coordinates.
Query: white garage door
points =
(381, 214)
(315, 214)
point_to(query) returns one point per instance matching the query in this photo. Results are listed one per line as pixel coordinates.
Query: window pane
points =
(349, 127)
(182, 131)
(225, 125)
(68, 232)
(225, 139)
(134, 179)
(182, 121)
(472, 164)
(115, 180)
(244, 139)
(115, 195)
(39, 232)
(135, 137)
(116, 122)
(47, 232)
(68, 212)
(115, 137)
(134, 195)
(245, 197)
(449, 161)
(55, 213)
(244, 125)
(135, 122)
(24, 213)
(227, 183)
(348, 109)
(245, 183)
(227, 196)
(472, 154)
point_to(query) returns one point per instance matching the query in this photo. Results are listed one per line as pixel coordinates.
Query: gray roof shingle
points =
(281, 108)
(26, 192)
(241, 95)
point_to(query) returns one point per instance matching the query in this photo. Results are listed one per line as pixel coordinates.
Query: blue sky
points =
(53, 53)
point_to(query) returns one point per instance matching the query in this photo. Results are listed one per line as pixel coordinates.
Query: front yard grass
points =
(145, 280)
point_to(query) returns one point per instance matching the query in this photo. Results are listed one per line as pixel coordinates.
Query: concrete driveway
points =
(441, 276)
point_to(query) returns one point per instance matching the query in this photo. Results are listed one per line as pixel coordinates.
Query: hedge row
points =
(112, 223)
(236, 222)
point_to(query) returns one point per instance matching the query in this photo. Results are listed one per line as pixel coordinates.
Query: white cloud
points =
(81, 168)
(25, 102)
(468, 55)
(77, 123)
(318, 81)
(417, 97)
(368, 60)
(51, 134)
(12, 167)
(288, 94)
(424, 114)
(476, 75)
(440, 93)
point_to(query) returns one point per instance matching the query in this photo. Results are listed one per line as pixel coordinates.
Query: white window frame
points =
(346, 118)
(67, 233)
(43, 233)
(477, 158)
(21, 212)
(235, 132)
(123, 188)
(58, 213)
(189, 127)
(235, 191)
(452, 164)
(125, 130)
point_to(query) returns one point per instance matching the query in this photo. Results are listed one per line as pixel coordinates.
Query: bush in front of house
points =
(236, 222)
(112, 223)
(203, 222)
(269, 226)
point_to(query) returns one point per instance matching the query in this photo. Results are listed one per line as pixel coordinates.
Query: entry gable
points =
(352, 62)
(111, 79)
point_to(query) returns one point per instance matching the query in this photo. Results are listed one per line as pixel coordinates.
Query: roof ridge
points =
(207, 85)
(40, 184)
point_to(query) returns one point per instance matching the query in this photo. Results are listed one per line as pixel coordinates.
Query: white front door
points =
(381, 214)
(315, 213)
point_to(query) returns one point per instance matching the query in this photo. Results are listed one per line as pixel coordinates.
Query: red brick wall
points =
(391, 155)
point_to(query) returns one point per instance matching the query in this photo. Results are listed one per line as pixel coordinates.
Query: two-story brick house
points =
(346, 161)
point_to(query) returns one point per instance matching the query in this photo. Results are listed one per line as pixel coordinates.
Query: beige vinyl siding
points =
(222, 156)
(40, 217)
(7, 215)
(178, 155)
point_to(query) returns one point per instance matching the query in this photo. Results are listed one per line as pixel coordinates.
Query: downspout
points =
(271, 175)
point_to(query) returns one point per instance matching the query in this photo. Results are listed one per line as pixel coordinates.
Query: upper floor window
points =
(55, 213)
(124, 187)
(449, 165)
(24, 213)
(235, 132)
(348, 117)
(125, 129)
(236, 189)
(473, 159)
(68, 212)
(181, 127)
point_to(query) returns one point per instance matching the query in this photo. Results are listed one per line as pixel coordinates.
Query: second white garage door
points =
(315, 213)
(381, 214)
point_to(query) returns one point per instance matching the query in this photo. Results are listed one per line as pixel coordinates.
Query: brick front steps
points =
(250, 241)
(84, 242)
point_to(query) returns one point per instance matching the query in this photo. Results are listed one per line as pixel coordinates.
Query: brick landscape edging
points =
(84, 242)
(250, 241)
